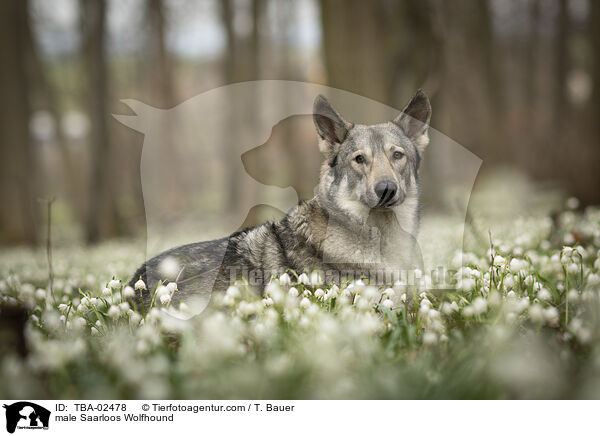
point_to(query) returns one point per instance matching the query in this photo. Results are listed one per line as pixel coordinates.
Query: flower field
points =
(523, 322)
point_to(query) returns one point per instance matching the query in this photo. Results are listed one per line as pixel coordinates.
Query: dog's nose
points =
(385, 190)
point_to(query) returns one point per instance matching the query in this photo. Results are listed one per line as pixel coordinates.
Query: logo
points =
(26, 415)
(262, 133)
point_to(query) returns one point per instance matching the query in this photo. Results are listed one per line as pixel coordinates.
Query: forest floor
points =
(523, 322)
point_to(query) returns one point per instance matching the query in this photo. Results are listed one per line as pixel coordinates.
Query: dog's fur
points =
(347, 227)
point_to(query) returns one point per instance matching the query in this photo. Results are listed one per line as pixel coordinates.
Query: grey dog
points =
(363, 219)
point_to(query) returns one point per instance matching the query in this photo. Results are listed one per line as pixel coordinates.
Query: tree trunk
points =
(358, 42)
(232, 69)
(561, 104)
(18, 191)
(102, 220)
(163, 94)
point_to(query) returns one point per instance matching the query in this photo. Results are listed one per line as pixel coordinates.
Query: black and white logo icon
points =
(26, 415)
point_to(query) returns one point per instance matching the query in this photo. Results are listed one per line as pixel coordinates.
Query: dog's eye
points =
(398, 155)
(360, 159)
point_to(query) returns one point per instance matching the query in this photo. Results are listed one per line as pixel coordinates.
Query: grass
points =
(522, 323)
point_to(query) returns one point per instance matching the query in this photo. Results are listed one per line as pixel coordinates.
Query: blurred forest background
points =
(515, 82)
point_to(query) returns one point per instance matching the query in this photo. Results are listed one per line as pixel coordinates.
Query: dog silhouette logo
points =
(26, 415)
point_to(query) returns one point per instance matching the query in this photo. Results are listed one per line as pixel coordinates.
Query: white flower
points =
(303, 278)
(63, 307)
(551, 314)
(387, 303)
(304, 322)
(162, 290)
(467, 284)
(169, 267)
(346, 293)
(316, 278)
(536, 313)
(544, 294)
(517, 265)
(320, 293)
(593, 279)
(228, 300)
(140, 285)
(245, 308)
(307, 293)
(114, 284)
(267, 302)
(128, 292)
(371, 292)
(333, 292)
(479, 305)
(172, 287)
(403, 297)
(134, 318)
(389, 293)
(573, 295)
(124, 307)
(153, 315)
(499, 260)
(358, 285)
(40, 294)
(361, 303)
(567, 251)
(285, 279)
(433, 313)
(584, 335)
(106, 292)
(430, 338)
(274, 290)
(114, 312)
(448, 308)
(305, 302)
(573, 268)
(293, 292)
(80, 322)
(572, 203)
(233, 292)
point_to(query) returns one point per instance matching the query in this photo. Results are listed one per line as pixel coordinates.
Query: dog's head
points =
(371, 167)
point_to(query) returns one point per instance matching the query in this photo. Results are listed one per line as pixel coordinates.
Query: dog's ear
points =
(331, 127)
(414, 119)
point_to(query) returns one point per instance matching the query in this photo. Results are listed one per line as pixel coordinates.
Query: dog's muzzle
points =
(386, 192)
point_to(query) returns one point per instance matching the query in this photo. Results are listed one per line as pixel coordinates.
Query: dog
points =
(363, 219)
